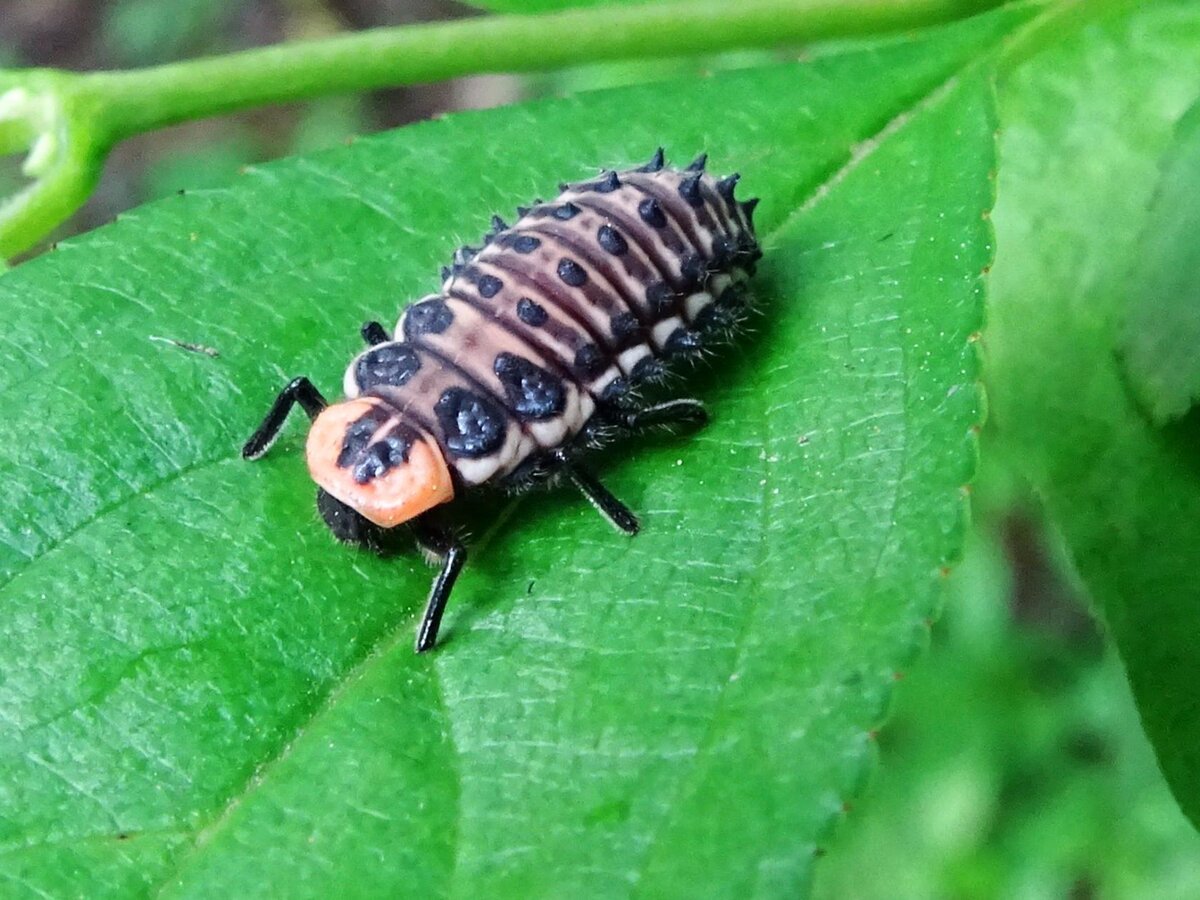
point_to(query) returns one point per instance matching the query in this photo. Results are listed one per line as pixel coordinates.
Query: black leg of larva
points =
(684, 411)
(597, 494)
(453, 554)
(374, 333)
(299, 390)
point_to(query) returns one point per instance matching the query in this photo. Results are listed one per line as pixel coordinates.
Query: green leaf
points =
(1084, 128)
(1162, 331)
(204, 695)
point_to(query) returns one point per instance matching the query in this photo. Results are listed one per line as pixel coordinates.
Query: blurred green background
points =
(1014, 764)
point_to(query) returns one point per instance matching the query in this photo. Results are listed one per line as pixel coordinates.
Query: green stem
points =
(79, 117)
(132, 102)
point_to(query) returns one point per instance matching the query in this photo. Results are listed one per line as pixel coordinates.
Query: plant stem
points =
(1053, 25)
(93, 111)
(131, 102)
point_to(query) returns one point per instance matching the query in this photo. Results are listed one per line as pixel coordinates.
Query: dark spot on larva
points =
(733, 297)
(652, 213)
(626, 329)
(382, 456)
(391, 364)
(571, 272)
(531, 313)
(489, 286)
(566, 211)
(525, 243)
(716, 318)
(532, 391)
(472, 425)
(611, 240)
(655, 164)
(689, 190)
(431, 316)
(682, 341)
(747, 244)
(661, 298)
(589, 361)
(692, 269)
(358, 435)
(607, 183)
(722, 251)
(648, 369)
(615, 390)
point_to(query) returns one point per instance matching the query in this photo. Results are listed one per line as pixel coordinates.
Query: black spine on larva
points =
(570, 307)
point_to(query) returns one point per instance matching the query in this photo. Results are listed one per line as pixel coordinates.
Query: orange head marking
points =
(363, 453)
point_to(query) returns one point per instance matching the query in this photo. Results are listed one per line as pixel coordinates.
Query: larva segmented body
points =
(536, 343)
(583, 298)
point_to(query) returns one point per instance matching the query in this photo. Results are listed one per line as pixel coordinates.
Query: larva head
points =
(363, 454)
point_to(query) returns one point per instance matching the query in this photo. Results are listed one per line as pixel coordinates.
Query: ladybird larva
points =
(535, 348)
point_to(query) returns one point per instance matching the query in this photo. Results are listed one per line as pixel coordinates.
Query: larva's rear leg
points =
(685, 411)
(299, 390)
(618, 514)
